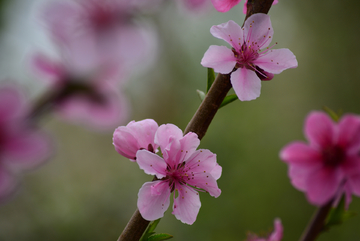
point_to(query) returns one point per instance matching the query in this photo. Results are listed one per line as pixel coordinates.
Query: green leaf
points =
(228, 99)
(210, 78)
(335, 116)
(201, 94)
(338, 215)
(159, 237)
(150, 230)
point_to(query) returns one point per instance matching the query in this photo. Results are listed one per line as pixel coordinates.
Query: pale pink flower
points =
(85, 92)
(224, 5)
(250, 65)
(245, 5)
(330, 164)
(135, 136)
(276, 235)
(22, 147)
(109, 24)
(182, 169)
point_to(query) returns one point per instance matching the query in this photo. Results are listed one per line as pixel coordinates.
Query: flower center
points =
(245, 56)
(333, 156)
(176, 174)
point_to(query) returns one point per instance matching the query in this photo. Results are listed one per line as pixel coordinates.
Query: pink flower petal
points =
(230, 31)
(322, 185)
(220, 58)
(144, 132)
(166, 133)
(258, 30)
(246, 84)
(187, 205)
(216, 172)
(277, 235)
(349, 133)
(151, 163)
(320, 130)
(12, 103)
(301, 154)
(277, 60)
(26, 150)
(205, 181)
(202, 160)
(48, 70)
(153, 200)
(298, 176)
(125, 143)
(224, 5)
(107, 115)
(188, 145)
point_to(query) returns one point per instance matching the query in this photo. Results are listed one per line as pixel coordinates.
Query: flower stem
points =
(199, 122)
(317, 222)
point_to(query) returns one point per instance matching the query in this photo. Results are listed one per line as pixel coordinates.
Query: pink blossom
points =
(245, 61)
(135, 136)
(245, 5)
(85, 92)
(22, 147)
(182, 169)
(330, 164)
(108, 24)
(276, 235)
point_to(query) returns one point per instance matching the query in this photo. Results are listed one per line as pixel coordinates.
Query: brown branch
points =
(200, 121)
(317, 222)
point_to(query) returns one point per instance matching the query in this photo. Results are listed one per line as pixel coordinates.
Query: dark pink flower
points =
(249, 62)
(245, 5)
(276, 235)
(135, 136)
(22, 147)
(330, 164)
(182, 169)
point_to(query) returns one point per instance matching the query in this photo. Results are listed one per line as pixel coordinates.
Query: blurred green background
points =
(87, 191)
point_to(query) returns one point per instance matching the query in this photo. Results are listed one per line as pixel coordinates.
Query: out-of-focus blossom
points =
(276, 235)
(182, 169)
(135, 136)
(245, 61)
(84, 91)
(245, 5)
(330, 164)
(109, 24)
(22, 147)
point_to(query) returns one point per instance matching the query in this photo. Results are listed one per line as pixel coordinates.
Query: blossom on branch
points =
(330, 164)
(22, 146)
(135, 136)
(276, 235)
(182, 169)
(246, 62)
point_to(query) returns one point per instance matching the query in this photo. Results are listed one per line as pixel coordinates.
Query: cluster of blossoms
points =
(22, 146)
(245, 61)
(329, 165)
(182, 169)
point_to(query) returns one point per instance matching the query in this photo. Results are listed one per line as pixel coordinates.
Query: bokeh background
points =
(87, 191)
